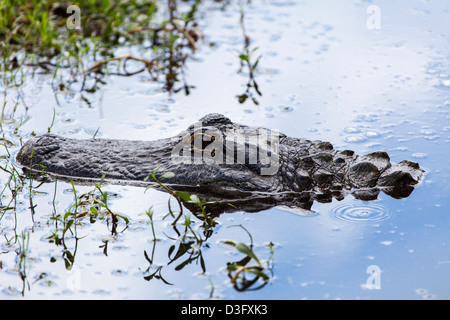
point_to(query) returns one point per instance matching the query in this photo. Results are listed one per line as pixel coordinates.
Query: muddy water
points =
(363, 75)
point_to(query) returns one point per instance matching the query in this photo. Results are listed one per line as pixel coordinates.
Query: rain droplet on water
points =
(372, 134)
(419, 155)
(162, 108)
(370, 213)
(354, 139)
(427, 132)
(445, 83)
(352, 130)
(285, 108)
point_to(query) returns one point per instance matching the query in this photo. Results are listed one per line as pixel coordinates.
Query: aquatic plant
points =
(40, 34)
(238, 271)
(38, 37)
(249, 63)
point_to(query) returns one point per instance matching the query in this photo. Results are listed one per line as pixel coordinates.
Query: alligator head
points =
(224, 160)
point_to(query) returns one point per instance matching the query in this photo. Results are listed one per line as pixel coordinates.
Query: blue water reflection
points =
(326, 75)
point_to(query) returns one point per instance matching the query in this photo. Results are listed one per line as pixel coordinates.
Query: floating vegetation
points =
(78, 47)
(238, 271)
(189, 243)
(40, 35)
(66, 229)
(82, 44)
(249, 63)
(15, 181)
(122, 69)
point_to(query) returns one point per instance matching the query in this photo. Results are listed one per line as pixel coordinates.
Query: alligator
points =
(220, 159)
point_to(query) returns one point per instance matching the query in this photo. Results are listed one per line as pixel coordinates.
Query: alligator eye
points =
(201, 140)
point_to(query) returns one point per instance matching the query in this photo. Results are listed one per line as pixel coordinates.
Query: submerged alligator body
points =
(213, 157)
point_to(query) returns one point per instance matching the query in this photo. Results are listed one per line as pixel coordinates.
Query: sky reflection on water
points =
(324, 75)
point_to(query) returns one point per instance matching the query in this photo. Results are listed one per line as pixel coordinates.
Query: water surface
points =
(324, 74)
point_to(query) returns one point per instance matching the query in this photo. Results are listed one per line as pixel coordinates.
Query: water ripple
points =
(365, 213)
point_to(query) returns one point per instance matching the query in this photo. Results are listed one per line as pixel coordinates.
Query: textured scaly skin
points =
(312, 169)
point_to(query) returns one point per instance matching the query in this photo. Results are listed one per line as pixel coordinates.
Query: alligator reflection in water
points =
(296, 172)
